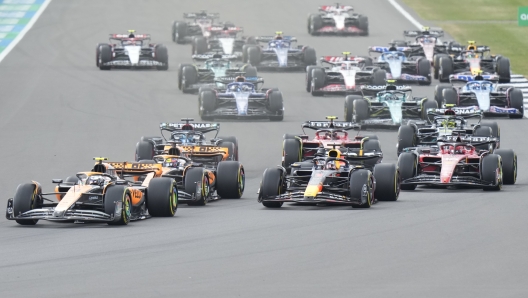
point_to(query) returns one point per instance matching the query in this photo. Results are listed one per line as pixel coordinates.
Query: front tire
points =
(230, 179)
(162, 197)
(387, 182)
(26, 199)
(114, 194)
(271, 186)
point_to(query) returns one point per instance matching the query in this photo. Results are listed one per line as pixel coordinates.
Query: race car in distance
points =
(492, 99)
(279, 53)
(476, 60)
(221, 39)
(199, 22)
(342, 76)
(465, 122)
(402, 68)
(188, 138)
(426, 42)
(99, 195)
(350, 173)
(391, 107)
(241, 100)
(457, 162)
(216, 71)
(337, 20)
(131, 51)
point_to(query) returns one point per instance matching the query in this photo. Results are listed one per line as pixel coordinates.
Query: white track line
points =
(28, 26)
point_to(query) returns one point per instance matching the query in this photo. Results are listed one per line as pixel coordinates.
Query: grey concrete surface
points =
(58, 111)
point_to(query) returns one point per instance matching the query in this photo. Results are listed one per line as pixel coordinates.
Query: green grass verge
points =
(473, 20)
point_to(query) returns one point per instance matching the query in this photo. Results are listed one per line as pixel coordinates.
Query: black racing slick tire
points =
(291, 153)
(516, 102)
(253, 54)
(446, 69)
(189, 77)
(349, 106)
(509, 165)
(98, 52)
(180, 74)
(162, 55)
(436, 64)
(199, 45)
(387, 182)
(105, 55)
(361, 186)
(407, 165)
(309, 56)
(449, 97)
(250, 71)
(309, 70)
(363, 25)
(271, 186)
(231, 151)
(378, 77)
(426, 105)
(276, 106)
(207, 104)
(438, 93)
(162, 197)
(230, 180)
(490, 165)
(315, 22)
(424, 70)
(26, 198)
(196, 183)
(503, 70)
(233, 140)
(113, 195)
(144, 150)
(179, 32)
(361, 109)
(318, 81)
(406, 138)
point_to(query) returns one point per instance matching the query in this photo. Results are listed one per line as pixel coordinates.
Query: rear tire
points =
(230, 180)
(251, 71)
(318, 81)
(315, 22)
(309, 70)
(162, 197)
(449, 97)
(424, 69)
(25, 199)
(291, 153)
(199, 45)
(144, 150)
(309, 56)
(233, 140)
(179, 32)
(276, 105)
(387, 182)
(426, 105)
(349, 106)
(378, 77)
(438, 95)
(503, 70)
(253, 56)
(207, 102)
(406, 138)
(162, 55)
(361, 110)
(189, 77)
(446, 69)
(180, 74)
(363, 25)
(436, 64)
(193, 177)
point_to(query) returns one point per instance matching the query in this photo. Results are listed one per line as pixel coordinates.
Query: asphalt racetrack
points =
(59, 110)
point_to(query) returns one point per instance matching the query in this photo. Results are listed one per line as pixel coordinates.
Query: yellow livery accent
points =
(312, 190)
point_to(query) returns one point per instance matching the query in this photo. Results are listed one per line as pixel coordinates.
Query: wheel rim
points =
(241, 181)
(174, 200)
(126, 209)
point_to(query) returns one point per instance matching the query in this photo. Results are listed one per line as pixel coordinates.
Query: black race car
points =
(337, 20)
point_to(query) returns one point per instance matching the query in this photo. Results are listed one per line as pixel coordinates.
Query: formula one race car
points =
(402, 68)
(184, 32)
(279, 53)
(456, 162)
(222, 39)
(188, 138)
(343, 76)
(465, 122)
(469, 63)
(391, 107)
(337, 20)
(492, 99)
(350, 173)
(426, 42)
(216, 71)
(241, 100)
(131, 51)
(99, 195)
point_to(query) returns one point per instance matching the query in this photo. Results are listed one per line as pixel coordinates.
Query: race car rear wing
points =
(204, 57)
(195, 126)
(466, 112)
(268, 38)
(464, 78)
(219, 29)
(436, 32)
(333, 8)
(472, 140)
(342, 125)
(138, 168)
(231, 79)
(338, 59)
(126, 36)
(380, 49)
(202, 14)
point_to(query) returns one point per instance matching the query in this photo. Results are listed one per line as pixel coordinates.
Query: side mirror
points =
(56, 181)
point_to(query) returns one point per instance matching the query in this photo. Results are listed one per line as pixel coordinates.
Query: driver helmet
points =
(240, 79)
(331, 165)
(95, 180)
(131, 33)
(450, 112)
(320, 152)
(392, 48)
(471, 46)
(330, 135)
(278, 36)
(479, 76)
(449, 123)
(344, 66)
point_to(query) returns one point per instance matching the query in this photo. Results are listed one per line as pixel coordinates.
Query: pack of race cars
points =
(441, 141)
